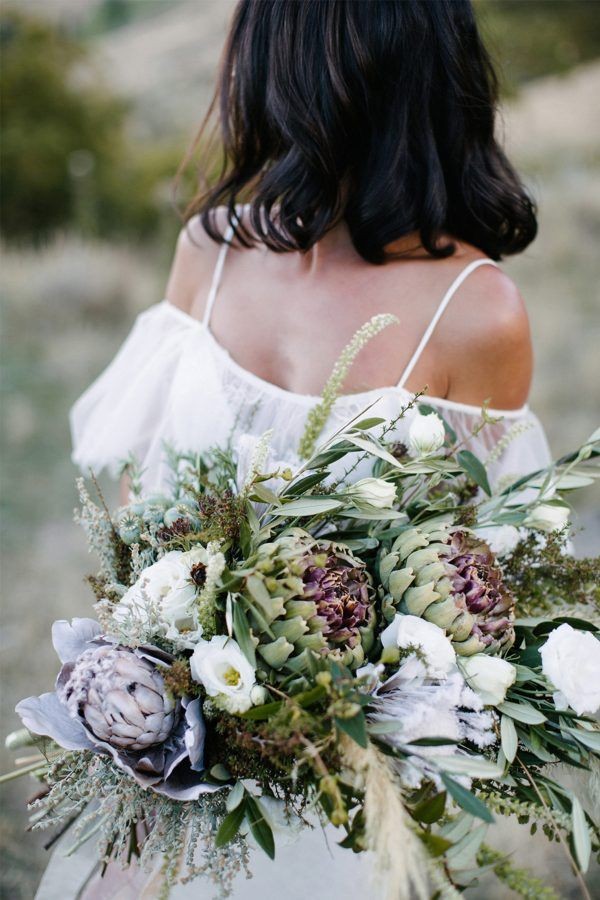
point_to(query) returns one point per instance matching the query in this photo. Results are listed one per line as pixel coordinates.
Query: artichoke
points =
(302, 594)
(450, 577)
(119, 696)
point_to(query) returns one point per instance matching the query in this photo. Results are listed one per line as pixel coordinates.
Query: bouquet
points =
(275, 646)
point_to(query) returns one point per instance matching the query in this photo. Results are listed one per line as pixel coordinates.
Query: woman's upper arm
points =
(487, 340)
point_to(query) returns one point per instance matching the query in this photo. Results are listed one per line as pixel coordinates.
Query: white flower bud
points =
(259, 695)
(488, 676)
(438, 653)
(548, 517)
(373, 492)
(426, 434)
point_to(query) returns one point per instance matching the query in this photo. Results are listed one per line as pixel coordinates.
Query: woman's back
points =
(478, 350)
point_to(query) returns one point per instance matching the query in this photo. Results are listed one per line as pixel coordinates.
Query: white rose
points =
(167, 588)
(225, 673)
(571, 661)
(412, 631)
(373, 492)
(547, 517)
(488, 676)
(426, 434)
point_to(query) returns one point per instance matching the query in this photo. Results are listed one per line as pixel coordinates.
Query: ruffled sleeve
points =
(118, 414)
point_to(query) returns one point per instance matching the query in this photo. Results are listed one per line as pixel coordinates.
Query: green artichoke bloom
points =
(305, 594)
(448, 576)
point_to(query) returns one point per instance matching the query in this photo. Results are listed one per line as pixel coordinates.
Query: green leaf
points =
(436, 845)
(259, 827)
(365, 424)
(430, 810)
(466, 800)
(263, 494)
(472, 766)
(590, 739)
(242, 632)
(474, 469)
(220, 773)
(581, 835)
(310, 697)
(235, 796)
(433, 742)
(522, 712)
(509, 739)
(309, 506)
(355, 728)
(230, 825)
(259, 713)
(374, 450)
(303, 484)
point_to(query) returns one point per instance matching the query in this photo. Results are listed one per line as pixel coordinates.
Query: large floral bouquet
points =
(403, 656)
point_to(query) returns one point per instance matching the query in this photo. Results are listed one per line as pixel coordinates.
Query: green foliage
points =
(532, 38)
(66, 158)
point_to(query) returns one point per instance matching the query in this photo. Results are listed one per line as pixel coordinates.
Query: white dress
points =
(172, 382)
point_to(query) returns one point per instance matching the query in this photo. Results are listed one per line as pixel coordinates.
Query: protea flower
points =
(119, 696)
(449, 576)
(112, 700)
(304, 594)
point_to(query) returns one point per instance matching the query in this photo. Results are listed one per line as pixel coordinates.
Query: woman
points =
(362, 136)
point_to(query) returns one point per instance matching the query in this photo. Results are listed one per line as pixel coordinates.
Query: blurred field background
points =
(100, 99)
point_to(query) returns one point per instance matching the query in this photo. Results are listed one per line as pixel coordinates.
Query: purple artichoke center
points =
(477, 583)
(340, 591)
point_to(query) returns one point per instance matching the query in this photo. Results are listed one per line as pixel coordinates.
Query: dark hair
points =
(379, 112)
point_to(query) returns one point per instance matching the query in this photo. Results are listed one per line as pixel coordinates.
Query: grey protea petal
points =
(70, 639)
(148, 701)
(47, 716)
(121, 704)
(195, 734)
(183, 784)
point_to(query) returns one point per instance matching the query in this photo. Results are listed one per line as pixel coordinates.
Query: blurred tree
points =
(532, 38)
(65, 157)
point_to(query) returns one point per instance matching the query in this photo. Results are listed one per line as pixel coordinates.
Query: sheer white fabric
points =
(171, 382)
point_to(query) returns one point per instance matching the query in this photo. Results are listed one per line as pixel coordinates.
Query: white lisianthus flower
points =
(547, 517)
(222, 669)
(437, 651)
(571, 661)
(426, 434)
(489, 676)
(374, 492)
(166, 589)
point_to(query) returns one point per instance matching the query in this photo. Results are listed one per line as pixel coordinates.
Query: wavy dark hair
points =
(378, 112)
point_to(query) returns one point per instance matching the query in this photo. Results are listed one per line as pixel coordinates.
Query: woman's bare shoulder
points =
(487, 341)
(193, 265)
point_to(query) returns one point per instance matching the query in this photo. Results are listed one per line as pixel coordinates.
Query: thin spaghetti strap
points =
(439, 313)
(216, 279)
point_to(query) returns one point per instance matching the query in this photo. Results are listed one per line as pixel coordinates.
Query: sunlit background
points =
(100, 99)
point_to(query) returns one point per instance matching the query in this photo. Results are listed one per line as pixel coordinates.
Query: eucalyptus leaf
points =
(466, 800)
(230, 825)
(522, 712)
(581, 835)
(259, 827)
(475, 469)
(308, 506)
(235, 796)
(509, 738)
(355, 728)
